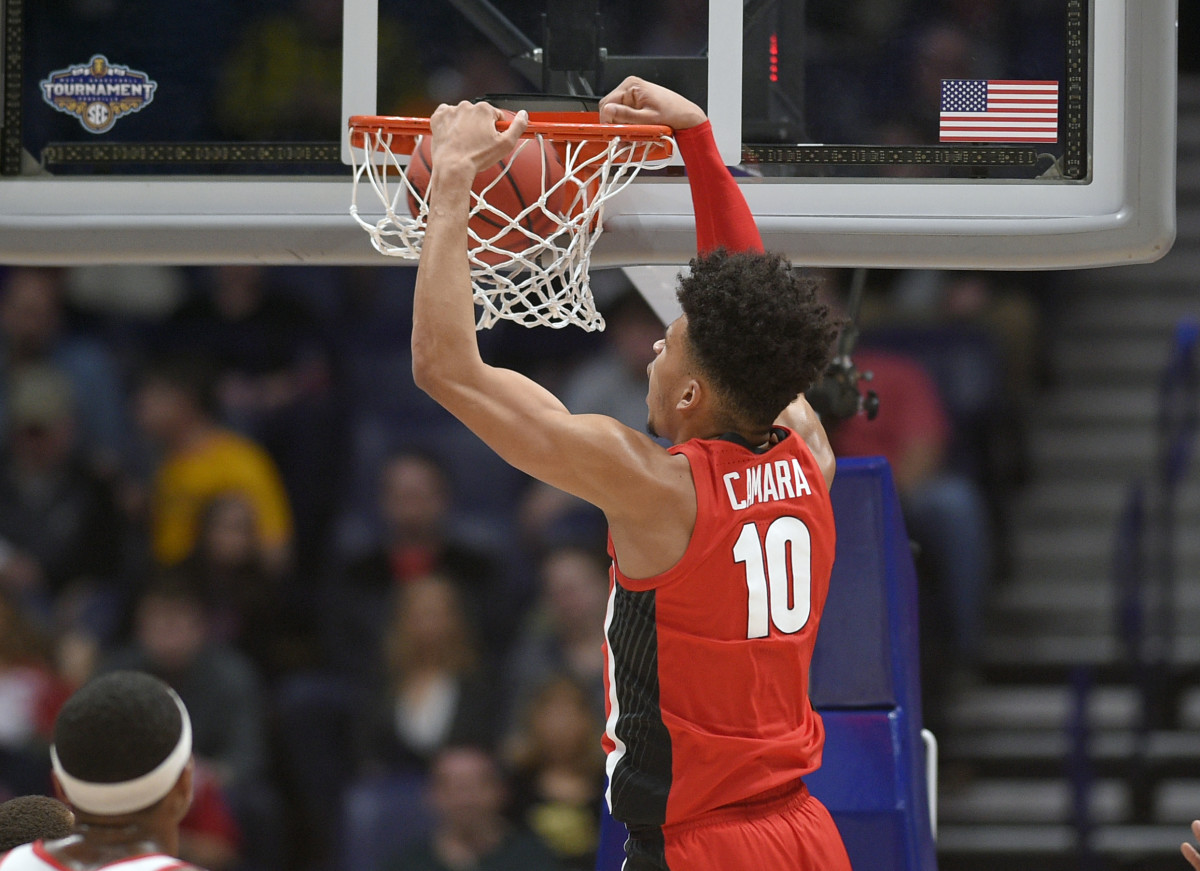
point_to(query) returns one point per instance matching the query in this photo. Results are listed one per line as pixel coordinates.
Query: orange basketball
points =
(520, 186)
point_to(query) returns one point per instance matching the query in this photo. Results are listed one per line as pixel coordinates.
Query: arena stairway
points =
(1011, 757)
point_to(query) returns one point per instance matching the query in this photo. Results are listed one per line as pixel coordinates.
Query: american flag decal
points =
(989, 110)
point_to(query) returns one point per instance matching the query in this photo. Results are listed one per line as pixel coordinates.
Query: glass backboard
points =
(960, 133)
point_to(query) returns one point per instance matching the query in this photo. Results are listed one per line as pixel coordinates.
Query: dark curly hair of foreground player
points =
(117, 728)
(33, 818)
(757, 329)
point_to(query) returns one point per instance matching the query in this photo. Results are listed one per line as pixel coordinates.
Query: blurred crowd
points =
(225, 476)
(956, 359)
(390, 641)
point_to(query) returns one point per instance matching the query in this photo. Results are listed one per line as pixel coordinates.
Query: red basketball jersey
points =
(708, 663)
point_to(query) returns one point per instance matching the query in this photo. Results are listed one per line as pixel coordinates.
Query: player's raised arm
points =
(801, 418)
(520, 420)
(723, 219)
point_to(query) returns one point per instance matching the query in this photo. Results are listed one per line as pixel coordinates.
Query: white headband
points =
(113, 799)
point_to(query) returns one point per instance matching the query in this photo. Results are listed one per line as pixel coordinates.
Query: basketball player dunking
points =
(722, 544)
(122, 760)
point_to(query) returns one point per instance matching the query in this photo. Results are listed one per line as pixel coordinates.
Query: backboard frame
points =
(1124, 214)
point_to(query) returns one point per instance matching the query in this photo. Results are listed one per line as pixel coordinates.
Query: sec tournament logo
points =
(97, 93)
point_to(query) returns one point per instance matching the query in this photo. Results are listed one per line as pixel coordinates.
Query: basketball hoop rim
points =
(553, 126)
(542, 278)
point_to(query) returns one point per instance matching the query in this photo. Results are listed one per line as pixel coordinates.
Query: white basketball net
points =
(546, 283)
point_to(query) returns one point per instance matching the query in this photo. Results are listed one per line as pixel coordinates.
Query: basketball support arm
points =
(836, 397)
(572, 60)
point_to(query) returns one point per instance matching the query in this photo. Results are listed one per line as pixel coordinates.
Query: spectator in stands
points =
(564, 632)
(415, 507)
(965, 39)
(30, 818)
(33, 330)
(209, 835)
(1015, 40)
(467, 795)
(438, 690)
(680, 30)
(418, 538)
(944, 510)
(272, 381)
(613, 383)
(224, 694)
(61, 532)
(31, 693)
(283, 79)
(172, 640)
(383, 659)
(558, 772)
(1006, 310)
(253, 608)
(979, 337)
(943, 50)
(201, 460)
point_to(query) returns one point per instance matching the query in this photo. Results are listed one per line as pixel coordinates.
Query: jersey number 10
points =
(779, 585)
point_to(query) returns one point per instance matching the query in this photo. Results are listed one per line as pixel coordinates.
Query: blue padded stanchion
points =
(866, 680)
(866, 684)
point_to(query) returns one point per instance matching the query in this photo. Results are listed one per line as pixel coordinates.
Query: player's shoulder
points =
(21, 858)
(614, 444)
(36, 857)
(17, 856)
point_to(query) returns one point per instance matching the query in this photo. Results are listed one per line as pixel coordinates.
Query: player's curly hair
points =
(33, 818)
(757, 329)
(117, 727)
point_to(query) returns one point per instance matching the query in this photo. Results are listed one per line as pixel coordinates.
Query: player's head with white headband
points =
(123, 748)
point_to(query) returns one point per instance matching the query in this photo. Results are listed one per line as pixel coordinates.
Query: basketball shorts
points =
(789, 832)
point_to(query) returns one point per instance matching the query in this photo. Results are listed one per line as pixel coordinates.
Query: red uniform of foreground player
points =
(722, 545)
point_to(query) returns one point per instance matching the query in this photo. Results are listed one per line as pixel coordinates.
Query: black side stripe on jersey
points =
(642, 778)
(645, 850)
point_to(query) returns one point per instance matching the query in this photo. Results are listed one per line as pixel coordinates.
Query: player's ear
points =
(692, 398)
(180, 796)
(58, 790)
